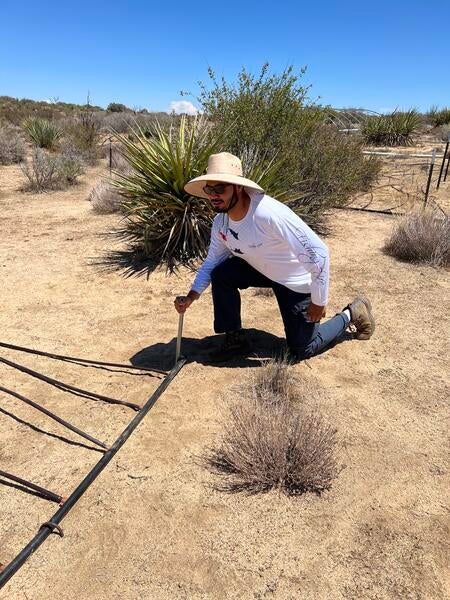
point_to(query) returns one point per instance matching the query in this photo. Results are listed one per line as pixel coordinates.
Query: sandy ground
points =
(150, 527)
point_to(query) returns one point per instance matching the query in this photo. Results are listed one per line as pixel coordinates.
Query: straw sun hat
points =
(223, 168)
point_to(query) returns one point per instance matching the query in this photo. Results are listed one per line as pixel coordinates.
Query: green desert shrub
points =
(12, 147)
(271, 441)
(439, 117)
(271, 113)
(45, 171)
(395, 129)
(421, 237)
(43, 133)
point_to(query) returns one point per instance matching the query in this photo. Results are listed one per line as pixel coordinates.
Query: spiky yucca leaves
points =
(42, 132)
(439, 116)
(394, 129)
(163, 224)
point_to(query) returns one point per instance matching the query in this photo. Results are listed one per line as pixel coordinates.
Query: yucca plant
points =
(438, 116)
(394, 129)
(42, 132)
(163, 224)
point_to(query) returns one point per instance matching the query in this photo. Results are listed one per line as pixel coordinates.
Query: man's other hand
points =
(315, 312)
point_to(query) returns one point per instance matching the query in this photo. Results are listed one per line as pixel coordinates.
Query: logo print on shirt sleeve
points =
(223, 236)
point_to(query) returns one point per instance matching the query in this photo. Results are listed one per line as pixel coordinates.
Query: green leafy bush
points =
(395, 129)
(272, 115)
(42, 132)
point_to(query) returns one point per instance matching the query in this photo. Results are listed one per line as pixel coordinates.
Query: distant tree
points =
(116, 107)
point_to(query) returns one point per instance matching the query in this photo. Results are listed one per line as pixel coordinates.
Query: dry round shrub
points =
(46, 171)
(274, 446)
(270, 441)
(12, 147)
(104, 199)
(421, 237)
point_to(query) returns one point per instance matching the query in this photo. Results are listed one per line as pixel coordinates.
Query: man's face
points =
(219, 194)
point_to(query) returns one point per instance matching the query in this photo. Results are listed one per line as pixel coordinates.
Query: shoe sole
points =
(368, 305)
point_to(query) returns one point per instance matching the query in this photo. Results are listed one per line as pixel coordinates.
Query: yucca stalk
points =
(42, 132)
(165, 226)
(394, 129)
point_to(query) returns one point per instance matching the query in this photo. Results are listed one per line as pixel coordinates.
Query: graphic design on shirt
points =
(234, 234)
(312, 256)
(223, 236)
(237, 251)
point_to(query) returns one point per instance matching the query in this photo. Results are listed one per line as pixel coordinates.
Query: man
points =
(257, 241)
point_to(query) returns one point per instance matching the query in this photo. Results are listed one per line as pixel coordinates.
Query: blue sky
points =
(376, 55)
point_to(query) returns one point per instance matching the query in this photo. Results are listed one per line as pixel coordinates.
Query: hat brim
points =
(195, 186)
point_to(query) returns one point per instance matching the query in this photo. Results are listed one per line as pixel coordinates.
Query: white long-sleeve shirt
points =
(276, 242)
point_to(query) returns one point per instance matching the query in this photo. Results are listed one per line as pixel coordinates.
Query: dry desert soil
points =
(151, 527)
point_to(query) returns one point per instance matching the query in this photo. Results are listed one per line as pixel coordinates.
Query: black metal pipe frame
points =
(80, 360)
(67, 387)
(37, 488)
(53, 416)
(47, 528)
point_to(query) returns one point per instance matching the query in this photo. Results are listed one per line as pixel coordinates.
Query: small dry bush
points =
(105, 200)
(271, 442)
(266, 292)
(12, 147)
(422, 237)
(46, 171)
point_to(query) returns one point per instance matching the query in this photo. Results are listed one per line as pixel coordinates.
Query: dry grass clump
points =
(422, 237)
(271, 442)
(12, 147)
(266, 292)
(104, 199)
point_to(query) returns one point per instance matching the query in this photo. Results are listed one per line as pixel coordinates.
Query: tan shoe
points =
(362, 317)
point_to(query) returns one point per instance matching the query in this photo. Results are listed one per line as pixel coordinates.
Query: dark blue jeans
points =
(304, 339)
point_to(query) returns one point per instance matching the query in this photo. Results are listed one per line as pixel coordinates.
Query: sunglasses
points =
(215, 189)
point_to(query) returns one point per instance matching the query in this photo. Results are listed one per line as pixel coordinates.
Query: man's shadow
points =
(162, 355)
(265, 346)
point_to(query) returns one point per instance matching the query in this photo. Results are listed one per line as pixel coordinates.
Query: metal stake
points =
(443, 162)
(430, 174)
(446, 168)
(180, 333)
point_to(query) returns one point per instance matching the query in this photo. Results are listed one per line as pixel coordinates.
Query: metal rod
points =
(44, 532)
(47, 493)
(80, 360)
(401, 155)
(66, 387)
(180, 333)
(443, 163)
(53, 416)
(430, 174)
(446, 168)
